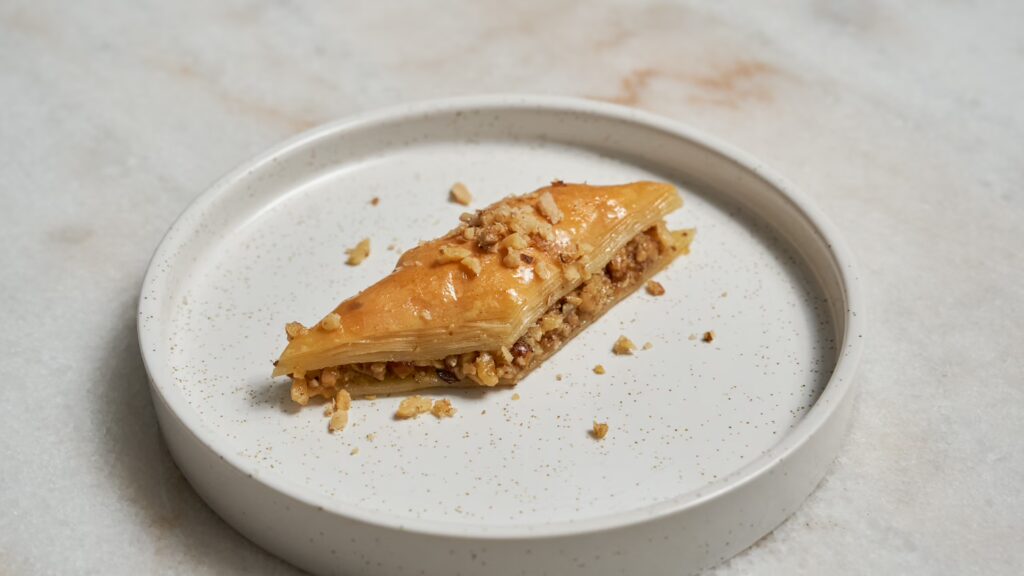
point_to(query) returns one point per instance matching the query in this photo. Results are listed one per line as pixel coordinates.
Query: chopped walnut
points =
(453, 254)
(543, 270)
(600, 430)
(599, 369)
(472, 264)
(546, 205)
(359, 253)
(443, 409)
(623, 346)
(331, 322)
(655, 288)
(459, 193)
(709, 336)
(294, 330)
(338, 421)
(412, 407)
(342, 400)
(512, 258)
(299, 391)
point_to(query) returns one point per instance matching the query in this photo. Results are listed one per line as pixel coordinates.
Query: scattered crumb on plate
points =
(339, 416)
(599, 369)
(648, 345)
(558, 377)
(460, 194)
(515, 396)
(655, 288)
(694, 336)
(443, 409)
(412, 407)
(359, 253)
(370, 437)
(724, 294)
(600, 430)
(375, 201)
(708, 336)
(354, 451)
(623, 346)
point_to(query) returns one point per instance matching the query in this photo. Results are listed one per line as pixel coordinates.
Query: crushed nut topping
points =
(599, 369)
(550, 210)
(600, 430)
(412, 407)
(655, 288)
(443, 409)
(453, 254)
(459, 193)
(359, 253)
(709, 336)
(472, 264)
(623, 346)
(294, 330)
(331, 322)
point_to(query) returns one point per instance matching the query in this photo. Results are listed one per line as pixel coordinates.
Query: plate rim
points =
(836, 390)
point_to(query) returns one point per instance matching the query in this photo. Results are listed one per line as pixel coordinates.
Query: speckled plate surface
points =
(711, 444)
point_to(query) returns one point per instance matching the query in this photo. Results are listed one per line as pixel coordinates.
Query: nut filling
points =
(624, 272)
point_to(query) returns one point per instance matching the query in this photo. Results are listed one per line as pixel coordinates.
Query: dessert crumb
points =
(370, 437)
(724, 294)
(359, 253)
(375, 201)
(600, 430)
(331, 322)
(709, 336)
(655, 288)
(515, 396)
(460, 194)
(623, 346)
(694, 336)
(599, 369)
(558, 377)
(648, 345)
(354, 451)
(412, 407)
(443, 409)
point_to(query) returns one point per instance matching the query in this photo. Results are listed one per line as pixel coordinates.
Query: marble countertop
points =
(904, 123)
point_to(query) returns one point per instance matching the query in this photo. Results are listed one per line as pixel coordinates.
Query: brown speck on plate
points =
(709, 336)
(600, 430)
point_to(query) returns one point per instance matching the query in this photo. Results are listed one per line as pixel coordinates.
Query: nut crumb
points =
(623, 346)
(599, 369)
(359, 253)
(453, 254)
(515, 396)
(558, 377)
(294, 330)
(655, 288)
(709, 336)
(443, 409)
(648, 345)
(412, 407)
(331, 322)
(370, 437)
(338, 421)
(460, 194)
(548, 208)
(472, 264)
(370, 397)
(600, 430)
(694, 336)
(354, 451)
(724, 294)
(375, 201)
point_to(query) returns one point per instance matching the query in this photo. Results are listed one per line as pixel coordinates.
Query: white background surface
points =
(905, 125)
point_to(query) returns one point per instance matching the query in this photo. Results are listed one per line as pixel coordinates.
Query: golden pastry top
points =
(479, 286)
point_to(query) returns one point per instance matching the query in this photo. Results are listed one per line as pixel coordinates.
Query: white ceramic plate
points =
(711, 445)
